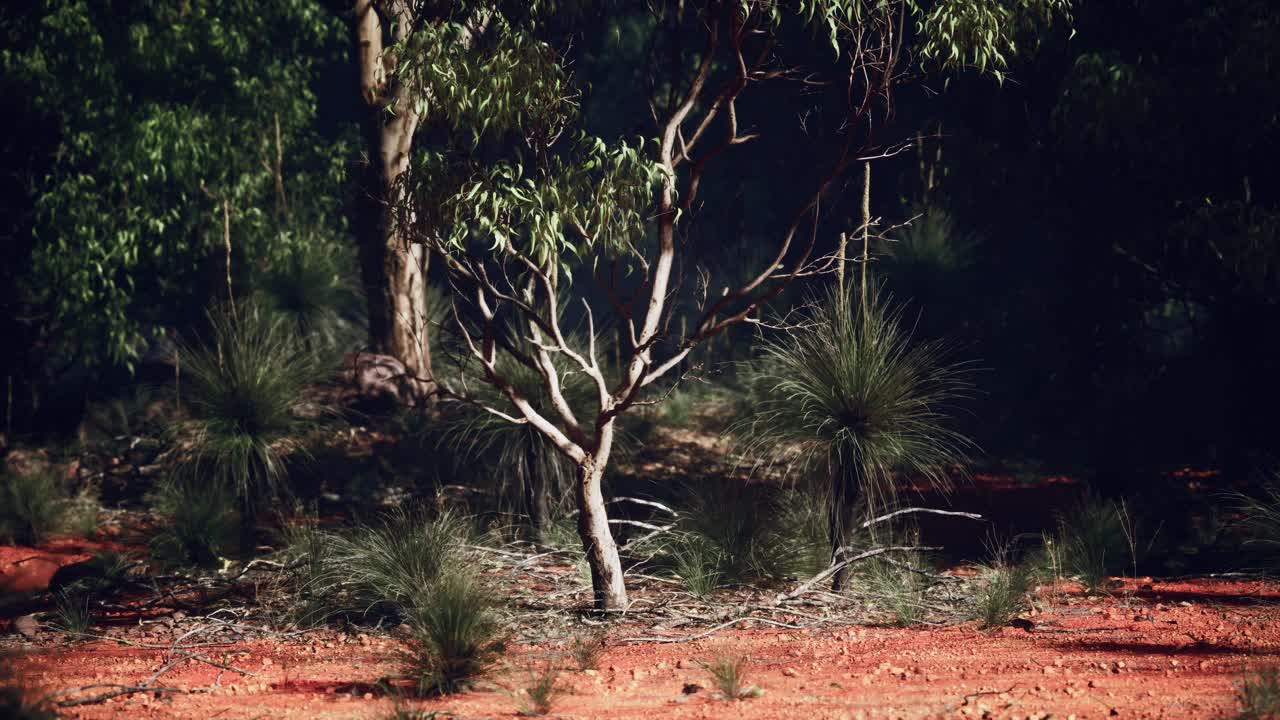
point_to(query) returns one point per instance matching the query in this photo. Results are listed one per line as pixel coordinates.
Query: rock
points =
(27, 626)
(691, 688)
(790, 672)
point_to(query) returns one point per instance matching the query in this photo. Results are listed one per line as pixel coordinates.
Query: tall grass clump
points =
(928, 246)
(728, 533)
(1260, 520)
(32, 506)
(1001, 592)
(244, 387)
(1094, 542)
(729, 673)
(200, 523)
(455, 633)
(385, 569)
(311, 291)
(848, 388)
(1259, 695)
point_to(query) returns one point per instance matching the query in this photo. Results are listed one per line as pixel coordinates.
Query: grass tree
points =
(519, 199)
(244, 388)
(846, 386)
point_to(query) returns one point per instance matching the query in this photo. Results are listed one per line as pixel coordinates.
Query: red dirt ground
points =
(1154, 650)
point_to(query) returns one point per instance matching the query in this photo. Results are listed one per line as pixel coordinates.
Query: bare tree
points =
(520, 227)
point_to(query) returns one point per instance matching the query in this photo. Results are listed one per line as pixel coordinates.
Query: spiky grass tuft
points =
(72, 613)
(244, 387)
(32, 506)
(587, 648)
(1001, 593)
(200, 523)
(456, 634)
(385, 569)
(540, 688)
(1093, 542)
(729, 673)
(1260, 520)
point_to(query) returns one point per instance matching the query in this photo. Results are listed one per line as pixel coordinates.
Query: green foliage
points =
(929, 246)
(729, 672)
(896, 589)
(244, 386)
(1001, 592)
(161, 110)
(455, 633)
(858, 399)
(311, 289)
(1092, 542)
(696, 561)
(200, 523)
(32, 506)
(383, 570)
(1259, 695)
(982, 34)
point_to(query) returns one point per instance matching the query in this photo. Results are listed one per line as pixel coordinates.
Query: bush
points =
(32, 506)
(310, 291)
(850, 390)
(1259, 695)
(455, 633)
(72, 614)
(243, 388)
(200, 523)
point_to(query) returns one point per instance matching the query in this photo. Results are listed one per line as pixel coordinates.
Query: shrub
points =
(32, 506)
(696, 561)
(200, 523)
(849, 389)
(1259, 695)
(455, 634)
(243, 388)
(729, 672)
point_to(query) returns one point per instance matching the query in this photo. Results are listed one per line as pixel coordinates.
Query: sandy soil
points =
(1153, 650)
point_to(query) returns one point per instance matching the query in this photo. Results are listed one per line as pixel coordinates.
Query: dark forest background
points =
(1099, 232)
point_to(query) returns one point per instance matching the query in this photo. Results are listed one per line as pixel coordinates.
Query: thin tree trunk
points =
(842, 514)
(866, 231)
(593, 527)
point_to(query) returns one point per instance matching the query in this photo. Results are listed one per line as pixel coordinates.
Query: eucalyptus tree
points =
(524, 207)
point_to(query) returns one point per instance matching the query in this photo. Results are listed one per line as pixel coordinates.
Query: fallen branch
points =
(837, 567)
(716, 629)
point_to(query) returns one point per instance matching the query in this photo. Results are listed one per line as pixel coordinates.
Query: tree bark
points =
(393, 268)
(593, 527)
